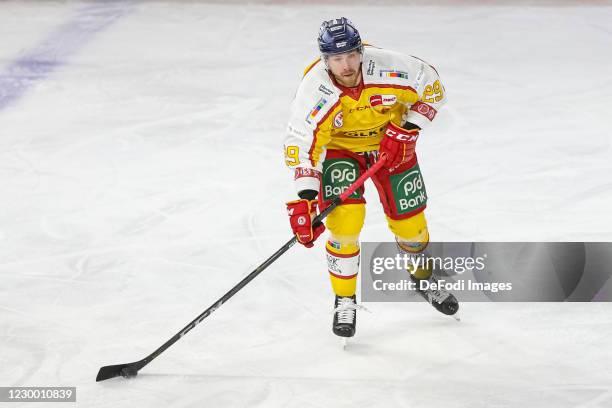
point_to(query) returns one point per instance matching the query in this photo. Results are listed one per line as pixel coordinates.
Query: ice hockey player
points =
(354, 103)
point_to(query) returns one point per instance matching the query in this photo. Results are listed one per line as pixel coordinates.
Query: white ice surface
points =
(144, 178)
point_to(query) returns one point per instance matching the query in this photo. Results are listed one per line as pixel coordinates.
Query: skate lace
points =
(346, 310)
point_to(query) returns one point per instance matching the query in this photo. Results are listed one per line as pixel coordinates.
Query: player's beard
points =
(349, 78)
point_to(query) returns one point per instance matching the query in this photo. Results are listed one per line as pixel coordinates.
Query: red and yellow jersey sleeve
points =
(431, 96)
(310, 126)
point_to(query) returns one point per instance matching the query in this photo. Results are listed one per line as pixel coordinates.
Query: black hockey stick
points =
(131, 369)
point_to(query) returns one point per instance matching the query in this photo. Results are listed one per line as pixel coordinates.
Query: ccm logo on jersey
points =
(401, 137)
(384, 100)
(359, 108)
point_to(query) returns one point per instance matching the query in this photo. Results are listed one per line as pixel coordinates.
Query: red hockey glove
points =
(398, 145)
(301, 212)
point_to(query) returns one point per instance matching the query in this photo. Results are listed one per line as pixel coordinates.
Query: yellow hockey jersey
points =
(396, 88)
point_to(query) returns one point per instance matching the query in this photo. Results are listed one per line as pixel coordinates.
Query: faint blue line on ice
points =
(56, 49)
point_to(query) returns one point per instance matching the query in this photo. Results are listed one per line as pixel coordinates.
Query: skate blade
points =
(343, 343)
(456, 317)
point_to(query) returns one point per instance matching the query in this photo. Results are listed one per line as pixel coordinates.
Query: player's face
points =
(346, 67)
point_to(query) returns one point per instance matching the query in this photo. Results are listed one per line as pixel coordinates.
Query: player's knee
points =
(411, 233)
(345, 223)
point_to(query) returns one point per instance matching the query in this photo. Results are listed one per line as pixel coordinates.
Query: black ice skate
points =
(441, 299)
(345, 316)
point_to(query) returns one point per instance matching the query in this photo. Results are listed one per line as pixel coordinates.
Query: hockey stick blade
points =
(124, 370)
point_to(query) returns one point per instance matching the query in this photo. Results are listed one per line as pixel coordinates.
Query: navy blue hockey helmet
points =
(338, 36)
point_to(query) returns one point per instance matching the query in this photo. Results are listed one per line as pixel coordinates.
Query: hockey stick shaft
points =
(131, 369)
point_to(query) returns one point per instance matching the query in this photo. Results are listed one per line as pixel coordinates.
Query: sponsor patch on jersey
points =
(315, 111)
(371, 66)
(325, 90)
(384, 100)
(373, 132)
(305, 172)
(392, 73)
(424, 109)
(339, 120)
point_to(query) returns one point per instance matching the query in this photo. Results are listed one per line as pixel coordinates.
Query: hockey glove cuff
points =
(301, 212)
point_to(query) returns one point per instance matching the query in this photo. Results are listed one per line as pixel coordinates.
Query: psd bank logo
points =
(338, 176)
(412, 182)
(409, 190)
